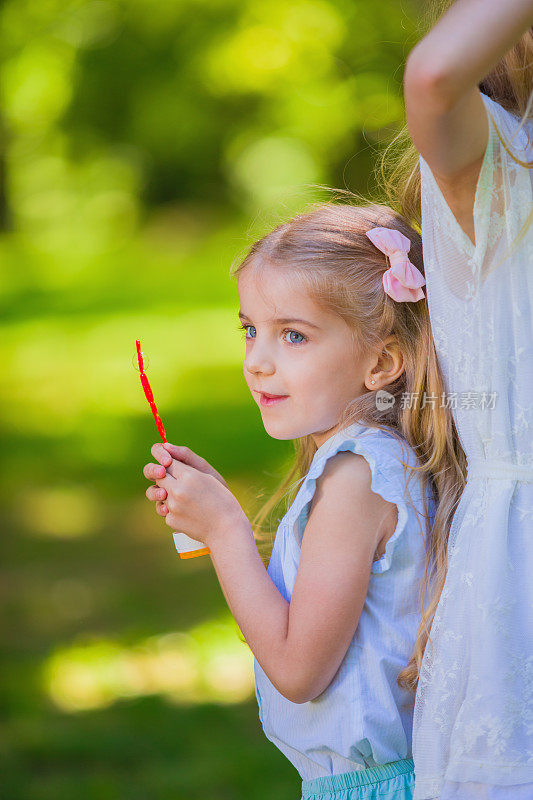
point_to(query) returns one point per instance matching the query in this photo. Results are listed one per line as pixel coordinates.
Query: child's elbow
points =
(426, 80)
(293, 690)
(298, 695)
(302, 688)
(288, 684)
(295, 697)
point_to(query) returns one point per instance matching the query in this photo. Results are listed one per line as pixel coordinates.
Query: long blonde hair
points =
(329, 255)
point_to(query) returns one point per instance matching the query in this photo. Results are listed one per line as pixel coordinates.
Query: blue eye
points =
(297, 334)
(288, 330)
(245, 329)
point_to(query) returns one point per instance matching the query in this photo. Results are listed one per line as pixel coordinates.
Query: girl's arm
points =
(300, 645)
(445, 113)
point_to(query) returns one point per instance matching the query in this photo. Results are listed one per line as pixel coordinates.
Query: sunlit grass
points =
(209, 663)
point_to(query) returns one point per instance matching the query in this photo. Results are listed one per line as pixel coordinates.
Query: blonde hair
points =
(327, 253)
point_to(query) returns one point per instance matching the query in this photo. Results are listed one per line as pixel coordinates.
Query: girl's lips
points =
(270, 400)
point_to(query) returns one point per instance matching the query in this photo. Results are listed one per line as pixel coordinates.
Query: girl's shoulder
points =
(387, 451)
(508, 136)
(389, 457)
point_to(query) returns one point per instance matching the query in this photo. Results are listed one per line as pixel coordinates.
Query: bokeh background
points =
(144, 146)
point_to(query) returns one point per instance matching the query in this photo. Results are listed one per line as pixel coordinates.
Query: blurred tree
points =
(143, 145)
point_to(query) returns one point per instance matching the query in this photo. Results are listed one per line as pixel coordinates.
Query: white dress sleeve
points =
(502, 209)
(472, 731)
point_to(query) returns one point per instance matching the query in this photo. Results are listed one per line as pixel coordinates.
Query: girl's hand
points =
(185, 454)
(180, 453)
(197, 502)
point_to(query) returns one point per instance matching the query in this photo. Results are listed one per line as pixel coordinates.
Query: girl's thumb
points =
(188, 456)
(185, 454)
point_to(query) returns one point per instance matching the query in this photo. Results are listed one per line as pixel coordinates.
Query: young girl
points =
(339, 357)
(467, 85)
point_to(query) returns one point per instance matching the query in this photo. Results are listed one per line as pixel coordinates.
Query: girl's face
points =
(298, 350)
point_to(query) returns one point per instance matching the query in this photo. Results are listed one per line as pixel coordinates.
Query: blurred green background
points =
(144, 146)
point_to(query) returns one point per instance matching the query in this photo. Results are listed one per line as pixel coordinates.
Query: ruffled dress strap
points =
(385, 456)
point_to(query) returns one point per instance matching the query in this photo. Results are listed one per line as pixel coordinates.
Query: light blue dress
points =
(363, 720)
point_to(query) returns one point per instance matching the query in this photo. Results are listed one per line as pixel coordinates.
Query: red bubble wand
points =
(186, 546)
(148, 392)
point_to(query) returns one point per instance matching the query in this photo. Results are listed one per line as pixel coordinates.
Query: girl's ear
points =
(390, 364)
(388, 367)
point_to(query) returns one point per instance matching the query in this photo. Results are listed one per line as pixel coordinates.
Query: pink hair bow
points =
(402, 281)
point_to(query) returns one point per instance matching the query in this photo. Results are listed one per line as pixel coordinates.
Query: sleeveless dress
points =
(362, 719)
(473, 723)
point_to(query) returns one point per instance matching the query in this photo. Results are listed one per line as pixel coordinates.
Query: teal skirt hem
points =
(393, 781)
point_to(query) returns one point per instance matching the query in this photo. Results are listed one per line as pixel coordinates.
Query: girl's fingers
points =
(154, 472)
(181, 452)
(161, 509)
(156, 493)
(162, 455)
(188, 456)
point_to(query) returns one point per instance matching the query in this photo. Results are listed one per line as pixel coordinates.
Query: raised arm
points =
(445, 113)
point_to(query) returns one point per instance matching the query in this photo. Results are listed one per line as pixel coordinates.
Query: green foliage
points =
(145, 145)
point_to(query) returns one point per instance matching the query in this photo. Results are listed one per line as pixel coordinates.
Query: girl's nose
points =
(258, 361)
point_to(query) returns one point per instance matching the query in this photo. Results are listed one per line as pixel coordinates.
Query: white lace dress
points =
(473, 723)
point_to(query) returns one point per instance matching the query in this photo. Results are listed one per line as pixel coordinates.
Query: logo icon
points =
(384, 400)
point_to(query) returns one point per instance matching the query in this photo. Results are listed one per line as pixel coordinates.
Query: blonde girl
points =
(468, 90)
(339, 358)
